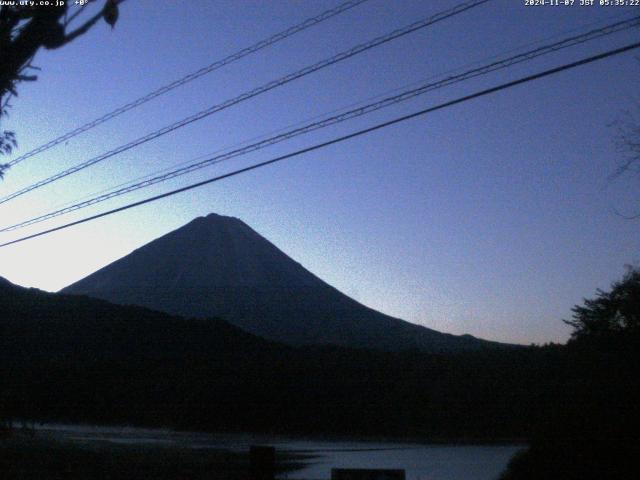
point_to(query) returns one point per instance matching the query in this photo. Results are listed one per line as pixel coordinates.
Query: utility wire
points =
(255, 92)
(310, 22)
(332, 120)
(336, 110)
(343, 138)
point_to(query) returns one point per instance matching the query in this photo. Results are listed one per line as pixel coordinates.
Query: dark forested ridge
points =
(75, 358)
(79, 359)
(218, 266)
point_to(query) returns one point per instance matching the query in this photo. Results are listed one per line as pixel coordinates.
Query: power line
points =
(310, 22)
(333, 111)
(255, 92)
(336, 110)
(332, 120)
(343, 138)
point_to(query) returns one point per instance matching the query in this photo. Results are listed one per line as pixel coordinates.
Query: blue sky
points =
(493, 217)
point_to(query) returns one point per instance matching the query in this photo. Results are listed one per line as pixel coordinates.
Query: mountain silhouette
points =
(217, 266)
(73, 358)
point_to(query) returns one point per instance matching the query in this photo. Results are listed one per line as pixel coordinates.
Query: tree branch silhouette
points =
(24, 30)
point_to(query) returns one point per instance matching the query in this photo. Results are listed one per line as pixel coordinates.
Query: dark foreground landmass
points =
(592, 429)
(80, 360)
(46, 458)
(75, 359)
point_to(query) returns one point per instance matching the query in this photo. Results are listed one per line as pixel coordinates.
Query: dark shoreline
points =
(293, 436)
(54, 451)
(44, 457)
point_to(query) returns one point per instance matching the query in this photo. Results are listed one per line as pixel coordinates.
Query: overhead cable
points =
(334, 119)
(253, 93)
(343, 138)
(310, 22)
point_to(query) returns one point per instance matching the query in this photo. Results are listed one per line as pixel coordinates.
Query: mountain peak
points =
(218, 266)
(216, 217)
(209, 252)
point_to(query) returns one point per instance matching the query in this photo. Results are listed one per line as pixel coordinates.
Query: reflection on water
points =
(421, 462)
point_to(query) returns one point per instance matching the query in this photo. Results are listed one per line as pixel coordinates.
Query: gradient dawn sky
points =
(493, 217)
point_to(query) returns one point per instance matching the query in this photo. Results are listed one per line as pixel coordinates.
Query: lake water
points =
(421, 461)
